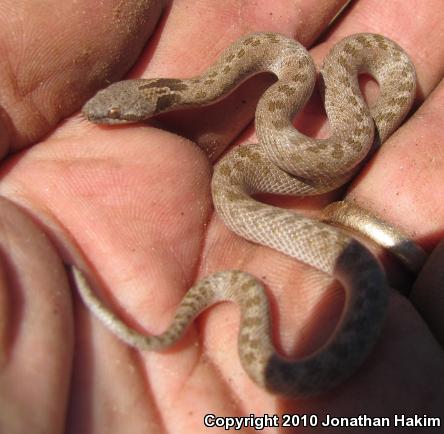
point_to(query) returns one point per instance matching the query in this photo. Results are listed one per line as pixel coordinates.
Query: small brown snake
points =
(283, 162)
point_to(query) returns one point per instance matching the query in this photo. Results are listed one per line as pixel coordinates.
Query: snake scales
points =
(283, 162)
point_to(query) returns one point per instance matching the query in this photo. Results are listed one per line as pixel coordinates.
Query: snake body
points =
(283, 162)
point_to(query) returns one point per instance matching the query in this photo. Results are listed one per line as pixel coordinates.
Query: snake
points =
(283, 162)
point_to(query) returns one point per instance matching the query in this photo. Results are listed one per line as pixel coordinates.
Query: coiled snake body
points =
(283, 162)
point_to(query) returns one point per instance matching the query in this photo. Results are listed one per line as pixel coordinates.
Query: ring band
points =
(350, 216)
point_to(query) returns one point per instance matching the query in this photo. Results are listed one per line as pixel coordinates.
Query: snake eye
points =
(114, 113)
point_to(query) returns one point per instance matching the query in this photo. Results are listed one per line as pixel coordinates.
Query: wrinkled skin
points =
(134, 203)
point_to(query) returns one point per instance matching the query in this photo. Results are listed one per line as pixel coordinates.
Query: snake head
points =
(119, 103)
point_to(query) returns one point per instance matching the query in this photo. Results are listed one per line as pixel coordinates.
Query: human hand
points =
(129, 212)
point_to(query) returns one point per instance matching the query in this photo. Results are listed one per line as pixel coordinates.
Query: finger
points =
(396, 22)
(48, 77)
(37, 336)
(408, 169)
(404, 27)
(398, 168)
(428, 295)
(407, 27)
(179, 54)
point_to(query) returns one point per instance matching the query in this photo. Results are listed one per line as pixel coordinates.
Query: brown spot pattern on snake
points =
(289, 163)
(170, 83)
(169, 100)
